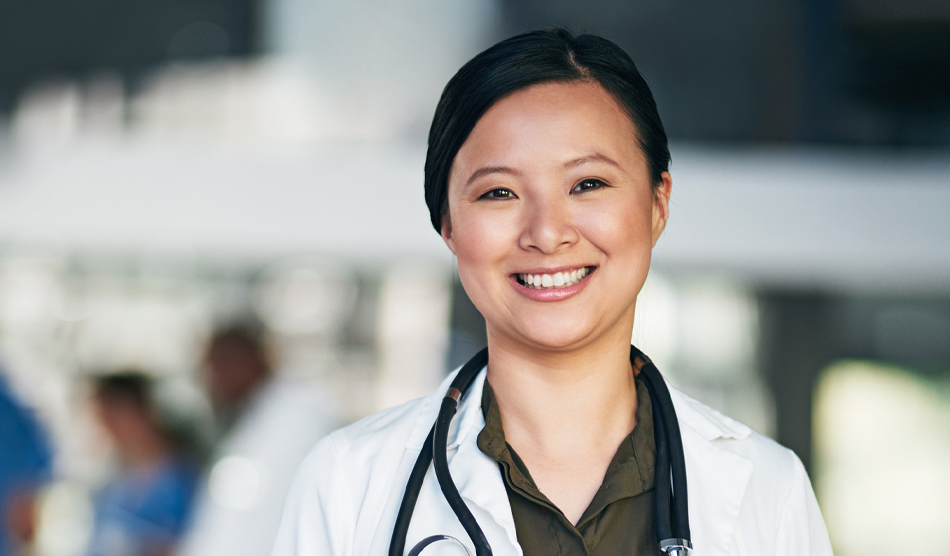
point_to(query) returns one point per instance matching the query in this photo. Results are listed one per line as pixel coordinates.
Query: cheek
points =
(480, 237)
(619, 226)
(482, 241)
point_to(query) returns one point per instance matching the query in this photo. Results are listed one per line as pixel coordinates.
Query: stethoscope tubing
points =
(397, 545)
(463, 380)
(440, 461)
(679, 497)
(663, 511)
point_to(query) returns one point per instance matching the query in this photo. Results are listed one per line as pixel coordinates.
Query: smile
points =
(557, 280)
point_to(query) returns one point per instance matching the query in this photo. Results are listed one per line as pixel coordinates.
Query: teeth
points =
(556, 280)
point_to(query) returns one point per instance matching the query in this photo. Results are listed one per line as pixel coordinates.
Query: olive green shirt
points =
(619, 520)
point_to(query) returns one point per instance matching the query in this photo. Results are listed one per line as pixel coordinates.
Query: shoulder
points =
(779, 507)
(768, 456)
(355, 450)
(776, 511)
(377, 437)
(347, 478)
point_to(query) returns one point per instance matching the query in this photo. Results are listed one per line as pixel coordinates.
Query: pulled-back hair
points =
(547, 56)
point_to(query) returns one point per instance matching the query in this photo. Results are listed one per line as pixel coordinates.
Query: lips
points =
(556, 280)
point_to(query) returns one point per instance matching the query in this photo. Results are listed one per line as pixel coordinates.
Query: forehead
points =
(548, 122)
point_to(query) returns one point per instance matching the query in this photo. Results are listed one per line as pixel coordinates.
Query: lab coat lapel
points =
(716, 478)
(477, 476)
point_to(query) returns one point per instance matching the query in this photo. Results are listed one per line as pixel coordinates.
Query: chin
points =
(554, 338)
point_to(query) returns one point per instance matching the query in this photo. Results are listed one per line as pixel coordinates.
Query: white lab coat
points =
(747, 494)
(238, 505)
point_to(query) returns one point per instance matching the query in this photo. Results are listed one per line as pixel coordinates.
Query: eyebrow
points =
(596, 157)
(486, 170)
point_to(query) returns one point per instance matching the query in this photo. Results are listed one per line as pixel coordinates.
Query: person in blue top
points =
(26, 460)
(144, 509)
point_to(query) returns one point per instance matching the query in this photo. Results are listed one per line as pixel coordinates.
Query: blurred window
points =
(882, 447)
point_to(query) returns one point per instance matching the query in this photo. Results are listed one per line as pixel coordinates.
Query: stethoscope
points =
(672, 520)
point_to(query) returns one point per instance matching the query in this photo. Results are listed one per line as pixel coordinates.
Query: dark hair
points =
(246, 335)
(128, 385)
(550, 55)
(249, 334)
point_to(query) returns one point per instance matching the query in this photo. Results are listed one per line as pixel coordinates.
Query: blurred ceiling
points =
(854, 72)
(55, 39)
(860, 72)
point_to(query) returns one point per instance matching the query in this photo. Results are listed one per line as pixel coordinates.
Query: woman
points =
(547, 176)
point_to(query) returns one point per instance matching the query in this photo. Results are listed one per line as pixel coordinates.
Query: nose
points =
(548, 225)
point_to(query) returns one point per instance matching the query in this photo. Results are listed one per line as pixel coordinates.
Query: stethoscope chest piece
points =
(417, 549)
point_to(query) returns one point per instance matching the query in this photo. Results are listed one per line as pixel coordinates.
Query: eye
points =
(500, 193)
(588, 184)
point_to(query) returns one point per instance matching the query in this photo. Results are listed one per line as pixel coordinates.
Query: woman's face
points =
(552, 217)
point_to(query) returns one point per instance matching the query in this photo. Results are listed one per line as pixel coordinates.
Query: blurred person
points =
(547, 176)
(267, 423)
(143, 510)
(25, 465)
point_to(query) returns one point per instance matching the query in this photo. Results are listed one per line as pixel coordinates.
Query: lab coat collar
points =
(716, 477)
(465, 418)
(470, 466)
(707, 421)
(476, 475)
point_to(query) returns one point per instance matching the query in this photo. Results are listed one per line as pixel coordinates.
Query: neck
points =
(565, 413)
(565, 400)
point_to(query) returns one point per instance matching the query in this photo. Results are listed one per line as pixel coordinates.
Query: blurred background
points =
(214, 247)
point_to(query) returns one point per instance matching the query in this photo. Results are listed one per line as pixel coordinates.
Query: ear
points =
(446, 232)
(661, 205)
